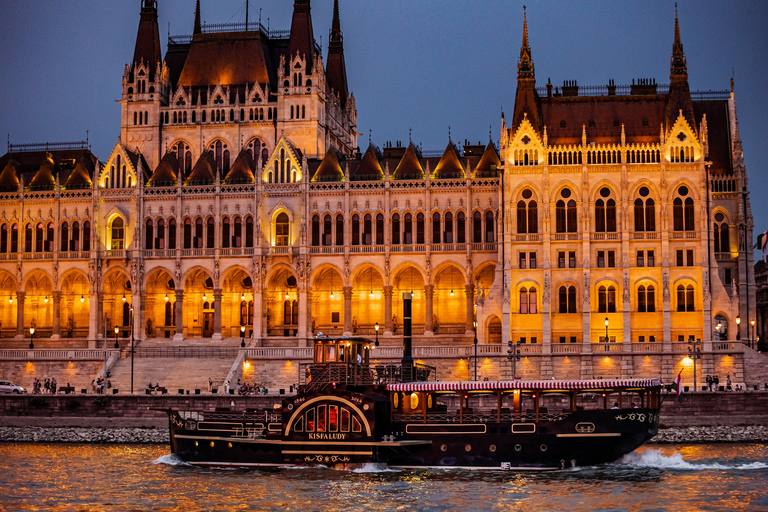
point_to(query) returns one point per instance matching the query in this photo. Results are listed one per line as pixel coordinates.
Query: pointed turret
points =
(336, 70)
(198, 26)
(302, 37)
(449, 165)
(148, 38)
(526, 98)
(330, 167)
(9, 178)
(679, 92)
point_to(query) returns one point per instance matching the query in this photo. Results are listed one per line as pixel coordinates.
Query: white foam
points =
(374, 468)
(171, 460)
(655, 459)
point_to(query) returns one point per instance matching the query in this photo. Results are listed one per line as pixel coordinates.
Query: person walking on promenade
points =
(728, 382)
(210, 384)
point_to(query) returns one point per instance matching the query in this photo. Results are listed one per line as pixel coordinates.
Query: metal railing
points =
(190, 352)
(314, 375)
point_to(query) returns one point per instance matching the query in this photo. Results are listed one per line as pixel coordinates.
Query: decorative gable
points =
(284, 164)
(682, 145)
(524, 146)
(119, 171)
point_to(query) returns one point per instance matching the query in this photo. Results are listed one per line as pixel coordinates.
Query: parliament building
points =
(605, 229)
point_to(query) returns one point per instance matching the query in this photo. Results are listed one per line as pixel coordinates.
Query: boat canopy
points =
(554, 385)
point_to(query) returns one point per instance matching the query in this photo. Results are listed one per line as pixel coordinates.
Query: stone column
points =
(428, 293)
(217, 314)
(347, 310)
(139, 310)
(93, 319)
(387, 311)
(469, 291)
(20, 315)
(303, 314)
(257, 314)
(56, 334)
(179, 335)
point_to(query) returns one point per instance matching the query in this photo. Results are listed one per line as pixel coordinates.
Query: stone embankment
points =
(742, 434)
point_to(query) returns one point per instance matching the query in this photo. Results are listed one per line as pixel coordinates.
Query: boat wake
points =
(171, 460)
(655, 459)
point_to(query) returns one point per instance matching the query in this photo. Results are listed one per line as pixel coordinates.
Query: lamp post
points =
(131, 349)
(738, 332)
(32, 335)
(242, 336)
(474, 325)
(694, 352)
(376, 328)
(513, 356)
(117, 331)
(752, 338)
(606, 329)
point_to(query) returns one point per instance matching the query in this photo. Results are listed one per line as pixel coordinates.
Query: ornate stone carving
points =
(545, 292)
(626, 287)
(666, 286)
(586, 296)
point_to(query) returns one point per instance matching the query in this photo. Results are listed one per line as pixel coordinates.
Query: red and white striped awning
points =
(571, 385)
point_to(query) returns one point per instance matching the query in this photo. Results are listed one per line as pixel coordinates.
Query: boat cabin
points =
(343, 350)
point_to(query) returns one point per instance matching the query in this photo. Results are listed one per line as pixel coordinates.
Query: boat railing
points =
(489, 416)
(313, 375)
(265, 416)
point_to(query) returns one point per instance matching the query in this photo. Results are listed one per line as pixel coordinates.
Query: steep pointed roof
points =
(449, 165)
(148, 38)
(302, 37)
(204, 171)
(166, 173)
(336, 69)
(330, 168)
(409, 167)
(527, 102)
(488, 163)
(80, 177)
(243, 170)
(137, 159)
(9, 178)
(198, 29)
(370, 166)
(44, 178)
(679, 91)
(678, 64)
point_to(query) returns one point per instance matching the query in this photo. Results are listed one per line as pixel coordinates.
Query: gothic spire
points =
(198, 27)
(678, 66)
(525, 64)
(336, 70)
(148, 38)
(527, 105)
(679, 99)
(302, 39)
(336, 25)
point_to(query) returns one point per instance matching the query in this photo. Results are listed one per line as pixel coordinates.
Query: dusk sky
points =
(423, 65)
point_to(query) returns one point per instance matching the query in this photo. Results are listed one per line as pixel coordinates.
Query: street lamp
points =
(474, 325)
(117, 331)
(694, 352)
(32, 336)
(513, 356)
(606, 331)
(131, 310)
(752, 322)
(738, 332)
(242, 335)
(376, 328)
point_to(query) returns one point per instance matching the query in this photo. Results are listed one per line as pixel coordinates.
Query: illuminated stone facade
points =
(238, 200)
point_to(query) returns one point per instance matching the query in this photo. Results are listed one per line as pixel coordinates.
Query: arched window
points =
(528, 300)
(315, 230)
(327, 231)
(677, 214)
(379, 229)
(610, 216)
(243, 313)
(237, 237)
(210, 234)
(250, 312)
(287, 312)
(63, 233)
(489, 225)
(688, 214)
(118, 234)
(168, 314)
(436, 228)
(282, 229)
(160, 238)
(367, 230)
(86, 236)
(725, 242)
(448, 229)
(646, 300)
(249, 231)
(149, 235)
(396, 229)
(39, 237)
(15, 238)
(408, 229)
(477, 228)
(198, 233)
(48, 246)
(187, 233)
(172, 233)
(600, 216)
(340, 230)
(685, 300)
(74, 243)
(355, 229)
(606, 299)
(420, 228)
(225, 233)
(461, 228)
(4, 239)
(28, 238)
(567, 299)
(527, 216)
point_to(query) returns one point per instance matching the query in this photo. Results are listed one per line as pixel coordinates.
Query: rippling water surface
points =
(143, 478)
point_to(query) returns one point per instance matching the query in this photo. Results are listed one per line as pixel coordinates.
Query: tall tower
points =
(526, 99)
(336, 69)
(679, 92)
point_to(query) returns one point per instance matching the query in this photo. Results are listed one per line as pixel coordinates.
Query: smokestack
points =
(407, 338)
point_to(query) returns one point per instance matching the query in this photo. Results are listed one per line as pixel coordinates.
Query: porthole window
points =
(605, 192)
(518, 447)
(644, 191)
(467, 447)
(683, 191)
(543, 447)
(566, 193)
(719, 217)
(492, 448)
(527, 194)
(443, 448)
(291, 281)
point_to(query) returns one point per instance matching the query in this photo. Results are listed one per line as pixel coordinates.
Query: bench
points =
(67, 389)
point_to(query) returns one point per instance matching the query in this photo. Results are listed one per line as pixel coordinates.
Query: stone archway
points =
(116, 304)
(159, 304)
(328, 302)
(282, 303)
(237, 303)
(74, 305)
(449, 297)
(38, 304)
(367, 300)
(199, 305)
(409, 280)
(8, 303)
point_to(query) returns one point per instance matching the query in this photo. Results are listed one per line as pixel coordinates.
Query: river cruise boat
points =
(350, 412)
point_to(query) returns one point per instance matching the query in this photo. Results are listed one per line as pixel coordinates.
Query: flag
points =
(762, 243)
(678, 383)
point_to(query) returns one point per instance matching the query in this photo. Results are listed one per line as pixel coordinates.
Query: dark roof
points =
(243, 170)
(148, 38)
(409, 167)
(80, 177)
(330, 168)
(137, 158)
(204, 171)
(9, 178)
(335, 68)
(488, 163)
(449, 165)
(302, 37)
(719, 133)
(369, 168)
(166, 173)
(44, 178)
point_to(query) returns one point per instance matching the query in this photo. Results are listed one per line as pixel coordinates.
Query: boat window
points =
(299, 426)
(321, 418)
(318, 352)
(414, 401)
(356, 425)
(345, 420)
(333, 418)
(311, 420)
(330, 354)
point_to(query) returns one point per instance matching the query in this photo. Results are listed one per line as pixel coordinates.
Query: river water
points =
(61, 477)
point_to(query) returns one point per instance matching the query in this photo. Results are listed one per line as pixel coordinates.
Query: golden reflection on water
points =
(127, 478)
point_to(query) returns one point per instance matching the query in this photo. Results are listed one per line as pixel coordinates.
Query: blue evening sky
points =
(421, 65)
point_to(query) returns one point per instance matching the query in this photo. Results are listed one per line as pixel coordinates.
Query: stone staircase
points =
(79, 375)
(171, 373)
(755, 366)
